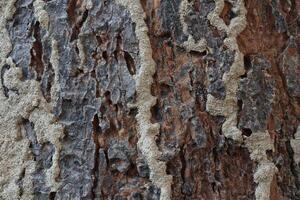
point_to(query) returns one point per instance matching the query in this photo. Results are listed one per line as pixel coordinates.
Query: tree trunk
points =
(150, 99)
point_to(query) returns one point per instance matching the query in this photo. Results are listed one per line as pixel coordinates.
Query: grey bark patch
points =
(198, 24)
(20, 33)
(152, 193)
(44, 161)
(289, 66)
(142, 167)
(136, 196)
(76, 106)
(169, 19)
(42, 155)
(111, 32)
(187, 188)
(280, 23)
(256, 93)
(31, 136)
(198, 133)
(120, 155)
(47, 81)
(217, 64)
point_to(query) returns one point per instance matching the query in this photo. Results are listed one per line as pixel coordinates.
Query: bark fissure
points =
(96, 131)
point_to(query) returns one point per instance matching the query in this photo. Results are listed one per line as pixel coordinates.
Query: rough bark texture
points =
(150, 99)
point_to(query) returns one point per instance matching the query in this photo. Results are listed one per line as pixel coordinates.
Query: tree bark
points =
(150, 99)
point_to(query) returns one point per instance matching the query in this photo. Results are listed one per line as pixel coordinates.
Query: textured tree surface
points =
(150, 99)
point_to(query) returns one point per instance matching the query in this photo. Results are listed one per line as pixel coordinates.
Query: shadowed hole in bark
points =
(246, 131)
(227, 14)
(183, 162)
(118, 47)
(130, 63)
(5, 89)
(93, 74)
(247, 62)
(31, 136)
(37, 52)
(247, 65)
(240, 108)
(244, 76)
(107, 97)
(52, 195)
(164, 90)
(47, 82)
(214, 187)
(156, 113)
(75, 21)
(198, 54)
(77, 26)
(106, 157)
(99, 40)
(96, 131)
(78, 72)
(132, 170)
(220, 132)
(77, 50)
(104, 55)
(269, 153)
(133, 112)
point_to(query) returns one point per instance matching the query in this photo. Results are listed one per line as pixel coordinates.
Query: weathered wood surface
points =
(150, 99)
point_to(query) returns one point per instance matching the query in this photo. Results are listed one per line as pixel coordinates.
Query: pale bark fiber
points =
(150, 99)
